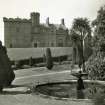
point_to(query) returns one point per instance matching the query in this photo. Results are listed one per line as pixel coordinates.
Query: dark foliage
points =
(31, 61)
(99, 98)
(81, 40)
(6, 72)
(96, 63)
(95, 66)
(49, 60)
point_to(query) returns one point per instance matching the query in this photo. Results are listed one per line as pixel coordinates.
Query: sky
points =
(54, 9)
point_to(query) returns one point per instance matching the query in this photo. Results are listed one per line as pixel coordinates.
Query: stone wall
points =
(17, 33)
(25, 53)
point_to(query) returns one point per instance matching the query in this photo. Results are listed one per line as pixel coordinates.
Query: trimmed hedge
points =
(49, 60)
(35, 61)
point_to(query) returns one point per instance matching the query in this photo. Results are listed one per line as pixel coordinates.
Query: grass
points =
(61, 67)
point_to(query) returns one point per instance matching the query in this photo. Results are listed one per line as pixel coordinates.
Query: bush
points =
(44, 58)
(95, 66)
(30, 61)
(11, 77)
(99, 99)
(6, 73)
(18, 64)
(49, 61)
(10, 73)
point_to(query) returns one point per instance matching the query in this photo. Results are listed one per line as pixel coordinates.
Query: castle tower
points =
(35, 18)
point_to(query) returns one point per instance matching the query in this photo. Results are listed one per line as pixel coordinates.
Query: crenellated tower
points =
(35, 18)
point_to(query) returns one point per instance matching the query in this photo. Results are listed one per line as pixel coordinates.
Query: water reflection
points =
(80, 88)
(80, 94)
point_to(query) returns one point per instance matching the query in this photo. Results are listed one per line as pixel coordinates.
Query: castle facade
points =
(27, 33)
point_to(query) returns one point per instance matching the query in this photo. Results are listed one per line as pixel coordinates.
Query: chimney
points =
(62, 22)
(47, 21)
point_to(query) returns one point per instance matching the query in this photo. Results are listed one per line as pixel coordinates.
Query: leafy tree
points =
(6, 72)
(49, 61)
(75, 42)
(95, 67)
(99, 29)
(79, 31)
(96, 64)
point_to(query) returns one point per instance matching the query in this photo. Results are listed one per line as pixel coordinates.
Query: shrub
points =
(44, 58)
(10, 73)
(6, 73)
(95, 66)
(49, 61)
(99, 99)
(18, 64)
(30, 61)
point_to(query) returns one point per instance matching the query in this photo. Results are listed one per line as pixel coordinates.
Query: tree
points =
(30, 61)
(49, 61)
(79, 31)
(6, 72)
(99, 29)
(75, 41)
(96, 64)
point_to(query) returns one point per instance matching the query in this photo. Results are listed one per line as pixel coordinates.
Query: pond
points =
(69, 90)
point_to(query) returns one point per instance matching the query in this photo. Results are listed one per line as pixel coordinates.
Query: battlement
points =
(35, 13)
(15, 20)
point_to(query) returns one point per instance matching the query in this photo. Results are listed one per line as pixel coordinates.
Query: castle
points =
(27, 33)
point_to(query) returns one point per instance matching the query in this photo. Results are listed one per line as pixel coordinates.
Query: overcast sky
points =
(54, 9)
